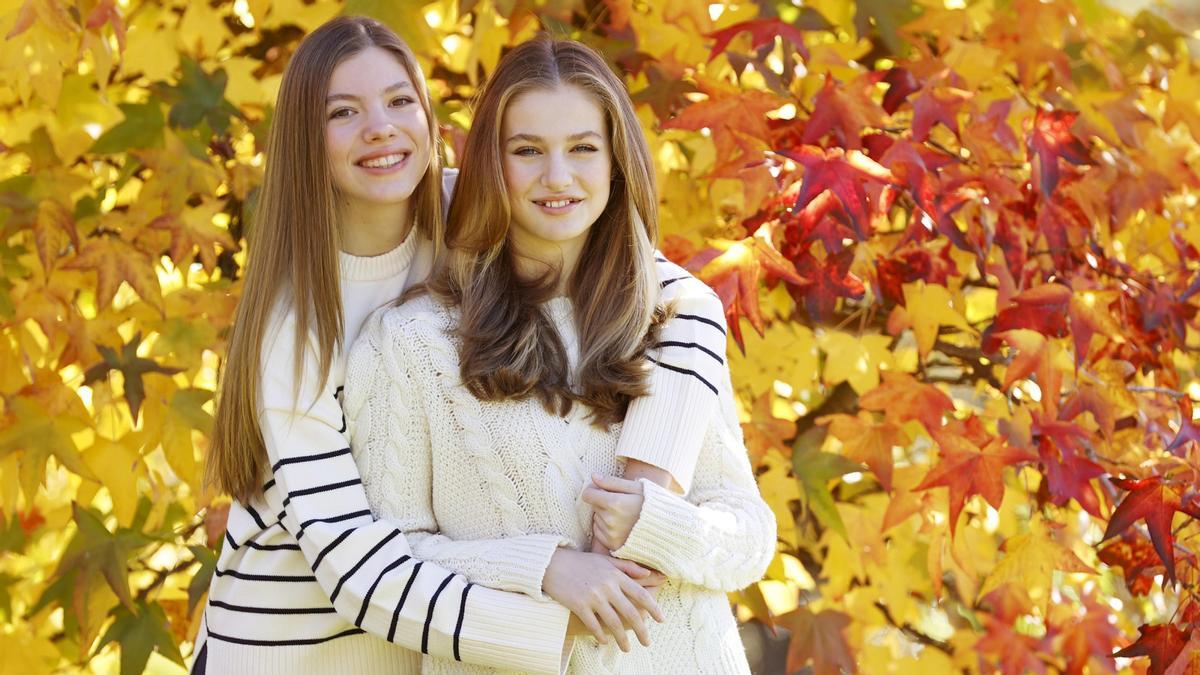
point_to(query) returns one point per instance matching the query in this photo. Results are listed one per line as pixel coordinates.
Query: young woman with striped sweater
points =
(309, 581)
(480, 408)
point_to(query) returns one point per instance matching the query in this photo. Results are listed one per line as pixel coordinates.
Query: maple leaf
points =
(1087, 636)
(1016, 653)
(1188, 431)
(901, 84)
(115, 260)
(1137, 559)
(1162, 643)
(53, 228)
(106, 11)
(845, 109)
(193, 233)
(827, 282)
(1033, 353)
(814, 469)
(1050, 139)
(1042, 308)
(1031, 559)
(132, 367)
(1069, 476)
(1154, 501)
(930, 307)
(902, 398)
(844, 174)
(665, 91)
(36, 430)
(735, 276)
(765, 432)
(968, 469)
(819, 638)
(937, 104)
(762, 32)
(867, 442)
(727, 110)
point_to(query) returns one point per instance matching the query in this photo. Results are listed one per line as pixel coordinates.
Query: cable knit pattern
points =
(499, 480)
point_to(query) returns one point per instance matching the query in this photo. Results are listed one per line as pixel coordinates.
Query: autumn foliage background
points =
(957, 242)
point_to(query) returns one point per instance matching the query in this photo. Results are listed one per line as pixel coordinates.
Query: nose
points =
(379, 127)
(557, 174)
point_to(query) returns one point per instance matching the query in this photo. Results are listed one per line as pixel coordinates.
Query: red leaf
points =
(1050, 139)
(968, 469)
(1188, 431)
(1137, 560)
(901, 83)
(819, 638)
(107, 12)
(762, 32)
(845, 109)
(735, 275)
(1149, 499)
(1069, 476)
(1161, 643)
(940, 104)
(902, 398)
(844, 174)
(827, 281)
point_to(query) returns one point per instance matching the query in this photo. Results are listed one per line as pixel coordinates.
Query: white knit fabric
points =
(491, 489)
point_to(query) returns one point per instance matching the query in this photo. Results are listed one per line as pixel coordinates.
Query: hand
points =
(618, 504)
(636, 468)
(602, 593)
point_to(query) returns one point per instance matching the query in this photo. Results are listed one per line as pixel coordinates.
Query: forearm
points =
(636, 469)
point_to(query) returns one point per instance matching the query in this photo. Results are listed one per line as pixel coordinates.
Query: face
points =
(376, 134)
(557, 168)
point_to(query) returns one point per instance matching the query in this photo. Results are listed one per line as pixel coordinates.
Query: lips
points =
(557, 203)
(383, 161)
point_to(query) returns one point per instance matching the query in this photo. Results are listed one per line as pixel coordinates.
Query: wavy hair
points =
(509, 348)
(293, 244)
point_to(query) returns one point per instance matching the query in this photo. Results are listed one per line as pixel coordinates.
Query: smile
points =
(384, 162)
(556, 203)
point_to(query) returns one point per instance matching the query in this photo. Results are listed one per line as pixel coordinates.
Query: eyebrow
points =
(403, 84)
(531, 138)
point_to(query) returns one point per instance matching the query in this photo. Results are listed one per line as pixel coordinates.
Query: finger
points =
(615, 484)
(612, 621)
(642, 598)
(600, 537)
(632, 618)
(596, 497)
(588, 618)
(630, 568)
(653, 580)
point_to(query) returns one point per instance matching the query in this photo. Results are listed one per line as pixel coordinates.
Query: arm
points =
(689, 364)
(389, 432)
(722, 536)
(365, 565)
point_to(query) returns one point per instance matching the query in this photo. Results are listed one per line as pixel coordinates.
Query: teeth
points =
(557, 204)
(385, 161)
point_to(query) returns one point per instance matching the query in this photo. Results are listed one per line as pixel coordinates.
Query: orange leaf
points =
(968, 469)
(114, 260)
(819, 638)
(867, 442)
(902, 398)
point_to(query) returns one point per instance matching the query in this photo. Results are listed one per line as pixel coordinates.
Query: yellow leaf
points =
(854, 359)
(150, 50)
(202, 29)
(930, 307)
(787, 351)
(1030, 560)
(243, 87)
(25, 654)
(779, 488)
(118, 468)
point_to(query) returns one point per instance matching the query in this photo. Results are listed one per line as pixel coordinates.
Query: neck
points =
(374, 230)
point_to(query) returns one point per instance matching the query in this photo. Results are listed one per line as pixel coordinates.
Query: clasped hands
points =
(606, 595)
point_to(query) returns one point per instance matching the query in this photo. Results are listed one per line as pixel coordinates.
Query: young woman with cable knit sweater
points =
(486, 410)
(308, 579)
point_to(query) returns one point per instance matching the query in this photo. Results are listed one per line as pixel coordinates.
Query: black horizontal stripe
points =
(462, 611)
(268, 485)
(701, 319)
(266, 577)
(685, 371)
(272, 547)
(229, 538)
(257, 518)
(661, 260)
(309, 458)
(403, 597)
(668, 282)
(319, 489)
(362, 612)
(272, 610)
(283, 643)
(333, 519)
(706, 350)
(429, 614)
(358, 565)
(332, 545)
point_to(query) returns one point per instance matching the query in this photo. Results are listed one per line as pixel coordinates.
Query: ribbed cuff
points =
(522, 561)
(513, 632)
(654, 540)
(667, 427)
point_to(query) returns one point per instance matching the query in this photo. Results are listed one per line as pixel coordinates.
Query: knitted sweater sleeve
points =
(386, 408)
(365, 565)
(720, 535)
(689, 361)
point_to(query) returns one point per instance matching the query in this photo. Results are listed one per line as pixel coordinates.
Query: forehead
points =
(367, 72)
(564, 110)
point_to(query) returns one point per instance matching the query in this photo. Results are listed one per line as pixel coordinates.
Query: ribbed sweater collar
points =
(382, 266)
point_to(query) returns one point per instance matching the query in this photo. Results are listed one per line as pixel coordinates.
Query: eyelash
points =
(399, 102)
(527, 151)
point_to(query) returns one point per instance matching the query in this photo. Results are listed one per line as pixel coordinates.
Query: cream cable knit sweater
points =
(490, 490)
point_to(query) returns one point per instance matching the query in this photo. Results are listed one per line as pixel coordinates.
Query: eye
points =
(339, 113)
(585, 147)
(401, 101)
(525, 151)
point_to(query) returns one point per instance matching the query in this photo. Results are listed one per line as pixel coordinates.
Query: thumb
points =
(615, 484)
(631, 568)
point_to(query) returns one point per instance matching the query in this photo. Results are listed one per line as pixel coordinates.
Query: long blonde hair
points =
(294, 241)
(509, 346)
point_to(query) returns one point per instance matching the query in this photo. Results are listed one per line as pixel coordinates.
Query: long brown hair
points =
(509, 346)
(294, 241)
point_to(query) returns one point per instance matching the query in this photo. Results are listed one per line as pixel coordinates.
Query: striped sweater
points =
(308, 580)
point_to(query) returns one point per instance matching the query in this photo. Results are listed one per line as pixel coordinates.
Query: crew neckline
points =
(382, 266)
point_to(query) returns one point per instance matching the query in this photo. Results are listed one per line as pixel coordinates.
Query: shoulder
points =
(421, 319)
(688, 295)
